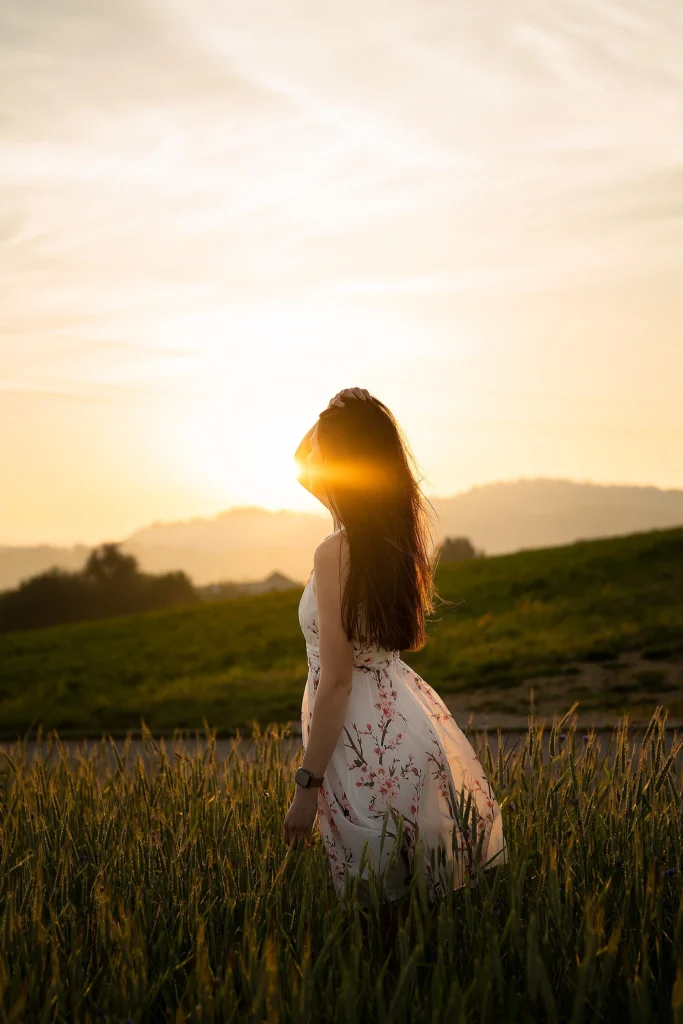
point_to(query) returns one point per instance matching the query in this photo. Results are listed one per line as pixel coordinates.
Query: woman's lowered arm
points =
(336, 659)
(332, 695)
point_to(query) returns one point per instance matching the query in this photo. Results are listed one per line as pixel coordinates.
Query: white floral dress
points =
(400, 754)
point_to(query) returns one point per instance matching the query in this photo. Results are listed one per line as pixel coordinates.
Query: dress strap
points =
(336, 531)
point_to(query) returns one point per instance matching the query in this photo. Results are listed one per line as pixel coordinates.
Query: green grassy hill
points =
(516, 617)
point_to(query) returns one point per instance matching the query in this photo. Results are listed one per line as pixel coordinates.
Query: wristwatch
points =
(306, 779)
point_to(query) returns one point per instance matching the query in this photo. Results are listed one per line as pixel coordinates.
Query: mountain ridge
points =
(248, 542)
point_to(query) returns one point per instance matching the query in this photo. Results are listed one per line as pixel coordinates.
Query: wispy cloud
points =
(159, 159)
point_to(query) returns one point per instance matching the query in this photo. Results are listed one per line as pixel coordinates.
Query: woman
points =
(381, 750)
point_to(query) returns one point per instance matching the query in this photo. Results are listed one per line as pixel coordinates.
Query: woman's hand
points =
(300, 817)
(361, 393)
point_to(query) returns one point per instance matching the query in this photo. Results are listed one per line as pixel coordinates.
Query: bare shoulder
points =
(335, 543)
(331, 554)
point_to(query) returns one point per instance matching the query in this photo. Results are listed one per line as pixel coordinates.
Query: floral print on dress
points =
(400, 758)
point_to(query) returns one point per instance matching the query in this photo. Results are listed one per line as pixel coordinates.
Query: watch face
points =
(303, 777)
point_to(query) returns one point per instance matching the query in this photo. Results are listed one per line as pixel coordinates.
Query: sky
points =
(215, 215)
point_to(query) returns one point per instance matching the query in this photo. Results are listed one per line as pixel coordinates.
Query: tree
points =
(457, 549)
(110, 583)
(107, 564)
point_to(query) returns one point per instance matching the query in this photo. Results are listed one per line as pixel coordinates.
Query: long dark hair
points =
(368, 476)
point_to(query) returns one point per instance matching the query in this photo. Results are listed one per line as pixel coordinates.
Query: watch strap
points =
(313, 782)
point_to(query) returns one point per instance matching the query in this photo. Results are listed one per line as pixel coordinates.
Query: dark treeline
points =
(110, 583)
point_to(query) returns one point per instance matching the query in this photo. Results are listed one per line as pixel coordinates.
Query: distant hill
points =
(221, 591)
(600, 622)
(250, 543)
(21, 562)
(513, 516)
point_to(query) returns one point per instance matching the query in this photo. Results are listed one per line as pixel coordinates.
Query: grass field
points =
(531, 615)
(168, 895)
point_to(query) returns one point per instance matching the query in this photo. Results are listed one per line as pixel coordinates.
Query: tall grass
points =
(165, 893)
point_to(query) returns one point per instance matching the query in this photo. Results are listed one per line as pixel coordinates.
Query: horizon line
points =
(66, 543)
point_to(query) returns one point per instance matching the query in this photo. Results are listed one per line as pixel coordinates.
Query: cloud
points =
(162, 159)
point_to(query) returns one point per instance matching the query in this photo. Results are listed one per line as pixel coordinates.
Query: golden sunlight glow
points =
(213, 453)
(358, 475)
(192, 266)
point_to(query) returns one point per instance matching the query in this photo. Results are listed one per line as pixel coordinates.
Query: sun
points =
(247, 405)
(227, 460)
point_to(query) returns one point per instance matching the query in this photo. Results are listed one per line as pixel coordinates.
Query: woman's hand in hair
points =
(360, 393)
